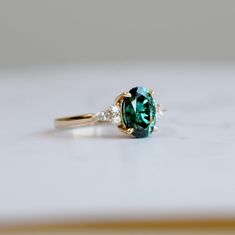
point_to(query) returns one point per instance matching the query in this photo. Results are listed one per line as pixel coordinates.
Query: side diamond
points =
(112, 114)
(103, 116)
(115, 116)
(161, 110)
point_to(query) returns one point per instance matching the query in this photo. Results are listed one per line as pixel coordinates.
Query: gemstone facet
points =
(139, 112)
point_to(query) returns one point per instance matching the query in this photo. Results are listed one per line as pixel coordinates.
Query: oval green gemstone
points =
(139, 112)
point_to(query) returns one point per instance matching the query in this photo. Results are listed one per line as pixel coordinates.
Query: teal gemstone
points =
(139, 112)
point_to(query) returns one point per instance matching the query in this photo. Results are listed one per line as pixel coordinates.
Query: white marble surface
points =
(187, 169)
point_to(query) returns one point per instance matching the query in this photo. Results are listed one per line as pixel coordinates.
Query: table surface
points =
(186, 169)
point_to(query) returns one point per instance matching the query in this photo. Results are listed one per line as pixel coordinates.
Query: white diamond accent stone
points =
(114, 109)
(100, 116)
(161, 110)
(116, 120)
(115, 116)
(112, 114)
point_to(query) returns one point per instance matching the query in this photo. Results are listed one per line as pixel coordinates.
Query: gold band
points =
(90, 118)
(76, 121)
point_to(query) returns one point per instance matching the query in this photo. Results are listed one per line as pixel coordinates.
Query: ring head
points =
(139, 112)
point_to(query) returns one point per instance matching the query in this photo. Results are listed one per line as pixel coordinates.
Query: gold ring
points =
(135, 113)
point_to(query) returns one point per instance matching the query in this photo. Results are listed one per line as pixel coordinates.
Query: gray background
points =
(50, 32)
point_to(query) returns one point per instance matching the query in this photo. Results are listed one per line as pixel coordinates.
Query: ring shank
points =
(76, 121)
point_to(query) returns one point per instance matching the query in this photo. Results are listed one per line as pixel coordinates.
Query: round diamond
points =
(114, 109)
(115, 116)
(116, 120)
(112, 114)
(103, 116)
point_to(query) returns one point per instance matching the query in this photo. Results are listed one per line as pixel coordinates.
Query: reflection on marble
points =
(97, 131)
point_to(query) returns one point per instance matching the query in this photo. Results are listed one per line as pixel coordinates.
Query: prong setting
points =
(127, 94)
(151, 92)
(117, 113)
(130, 130)
(123, 129)
(122, 96)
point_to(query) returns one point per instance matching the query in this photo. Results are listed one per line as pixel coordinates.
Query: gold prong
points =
(151, 92)
(130, 131)
(123, 129)
(123, 95)
(126, 94)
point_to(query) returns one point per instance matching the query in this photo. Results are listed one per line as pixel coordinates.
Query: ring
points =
(135, 113)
